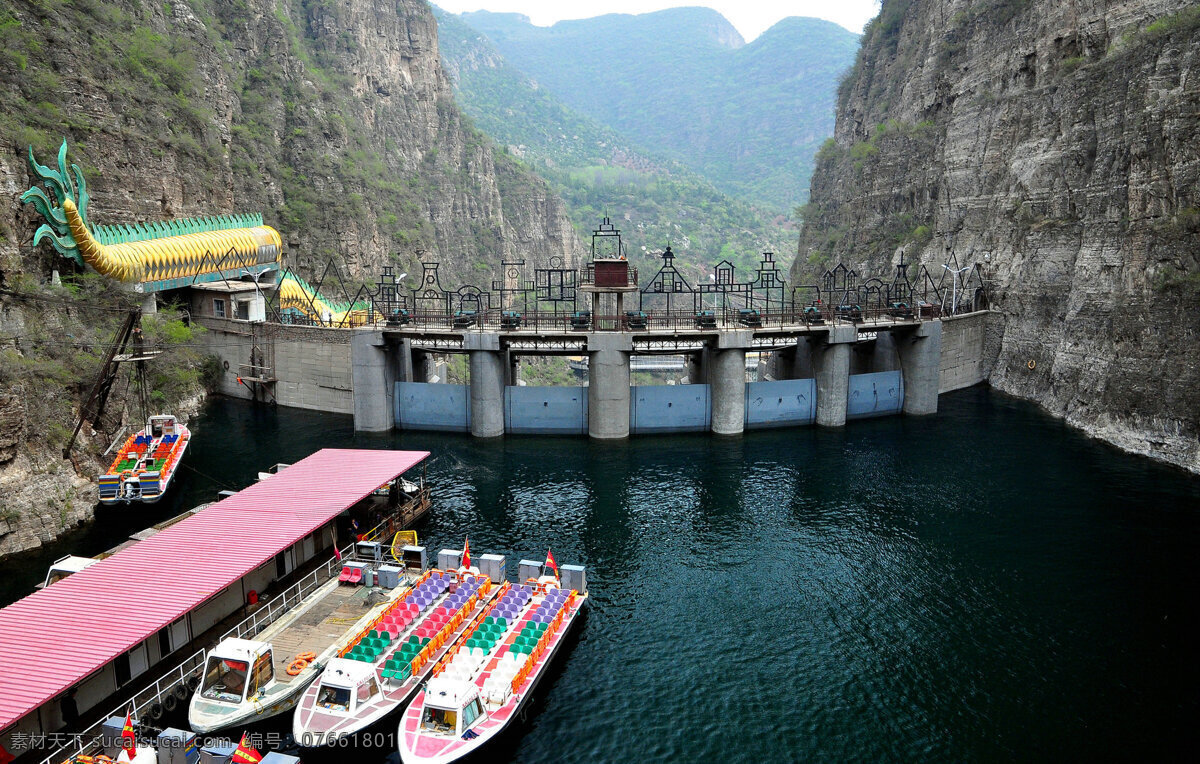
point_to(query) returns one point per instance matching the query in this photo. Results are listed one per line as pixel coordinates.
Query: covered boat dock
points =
(102, 628)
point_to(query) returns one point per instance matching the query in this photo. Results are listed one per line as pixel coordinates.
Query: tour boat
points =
(484, 680)
(247, 680)
(377, 673)
(146, 462)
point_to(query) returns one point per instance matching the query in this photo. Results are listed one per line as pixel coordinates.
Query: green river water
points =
(984, 584)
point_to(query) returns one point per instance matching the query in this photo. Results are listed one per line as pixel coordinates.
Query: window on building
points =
(218, 307)
(242, 310)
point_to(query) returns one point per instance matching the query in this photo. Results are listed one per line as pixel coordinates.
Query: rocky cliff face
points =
(334, 119)
(1056, 143)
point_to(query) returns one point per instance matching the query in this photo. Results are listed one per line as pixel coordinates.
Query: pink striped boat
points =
(483, 681)
(379, 672)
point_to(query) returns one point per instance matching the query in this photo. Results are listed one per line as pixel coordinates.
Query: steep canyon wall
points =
(1055, 143)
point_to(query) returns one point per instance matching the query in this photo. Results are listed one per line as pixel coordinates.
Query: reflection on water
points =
(981, 584)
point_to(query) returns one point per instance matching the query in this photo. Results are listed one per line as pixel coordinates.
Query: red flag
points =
(550, 563)
(466, 563)
(245, 754)
(129, 737)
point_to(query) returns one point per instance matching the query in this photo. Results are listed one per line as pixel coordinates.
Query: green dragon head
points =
(63, 185)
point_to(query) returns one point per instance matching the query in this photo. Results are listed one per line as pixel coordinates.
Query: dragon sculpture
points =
(295, 293)
(157, 255)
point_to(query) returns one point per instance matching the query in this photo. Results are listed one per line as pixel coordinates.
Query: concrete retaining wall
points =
(785, 403)
(963, 361)
(546, 410)
(669, 408)
(312, 365)
(876, 394)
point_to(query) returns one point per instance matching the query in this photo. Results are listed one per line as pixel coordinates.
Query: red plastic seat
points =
(356, 575)
(345, 574)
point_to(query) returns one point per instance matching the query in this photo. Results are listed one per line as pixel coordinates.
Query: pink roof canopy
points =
(56, 637)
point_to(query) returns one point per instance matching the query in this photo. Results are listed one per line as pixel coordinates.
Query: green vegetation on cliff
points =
(287, 107)
(50, 360)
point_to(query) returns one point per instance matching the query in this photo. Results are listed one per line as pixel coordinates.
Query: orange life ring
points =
(296, 666)
(307, 656)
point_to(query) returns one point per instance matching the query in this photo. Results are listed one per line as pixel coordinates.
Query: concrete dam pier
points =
(811, 374)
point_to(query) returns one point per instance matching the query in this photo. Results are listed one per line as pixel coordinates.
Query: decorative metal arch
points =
(839, 284)
(469, 297)
(556, 285)
(768, 283)
(512, 287)
(431, 296)
(668, 281)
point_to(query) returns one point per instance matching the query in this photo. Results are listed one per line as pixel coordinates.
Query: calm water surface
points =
(984, 584)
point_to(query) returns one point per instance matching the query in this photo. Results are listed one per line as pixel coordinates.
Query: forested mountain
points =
(595, 169)
(683, 84)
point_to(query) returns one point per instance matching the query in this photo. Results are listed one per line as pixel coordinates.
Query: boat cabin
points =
(160, 425)
(452, 706)
(66, 566)
(237, 670)
(346, 686)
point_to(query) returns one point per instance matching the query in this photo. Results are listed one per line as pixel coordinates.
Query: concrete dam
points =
(823, 374)
(827, 353)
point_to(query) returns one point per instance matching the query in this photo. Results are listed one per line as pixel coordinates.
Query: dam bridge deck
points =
(551, 334)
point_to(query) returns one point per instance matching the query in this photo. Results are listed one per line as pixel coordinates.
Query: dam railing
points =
(660, 321)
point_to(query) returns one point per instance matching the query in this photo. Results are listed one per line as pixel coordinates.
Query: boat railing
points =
(147, 703)
(281, 604)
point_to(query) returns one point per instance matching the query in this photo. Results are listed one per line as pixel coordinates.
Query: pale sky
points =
(751, 17)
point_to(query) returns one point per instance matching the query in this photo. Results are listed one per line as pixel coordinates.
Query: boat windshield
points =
(334, 698)
(471, 712)
(225, 680)
(439, 720)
